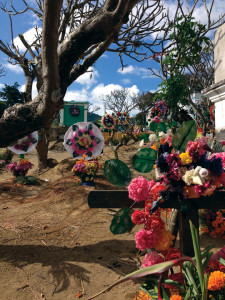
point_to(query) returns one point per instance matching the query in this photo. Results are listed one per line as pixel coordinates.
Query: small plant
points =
(25, 180)
(6, 155)
(21, 168)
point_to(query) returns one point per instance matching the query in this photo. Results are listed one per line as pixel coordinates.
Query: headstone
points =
(216, 92)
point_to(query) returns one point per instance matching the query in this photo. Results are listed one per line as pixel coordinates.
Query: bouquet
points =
(21, 168)
(213, 222)
(86, 170)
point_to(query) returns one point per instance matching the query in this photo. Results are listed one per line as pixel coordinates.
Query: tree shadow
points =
(62, 260)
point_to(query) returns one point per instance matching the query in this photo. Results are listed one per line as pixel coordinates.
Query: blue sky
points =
(106, 75)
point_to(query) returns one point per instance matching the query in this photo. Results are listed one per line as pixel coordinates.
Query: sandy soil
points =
(53, 246)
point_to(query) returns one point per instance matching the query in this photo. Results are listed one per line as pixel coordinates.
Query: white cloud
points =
(94, 96)
(34, 89)
(1, 85)
(126, 81)
(30, 37)
(138, 71)
(88, 78)
(14, 68)
(101, 90)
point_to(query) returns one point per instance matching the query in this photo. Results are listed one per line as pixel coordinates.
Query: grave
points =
(216, 92)
(120, 199)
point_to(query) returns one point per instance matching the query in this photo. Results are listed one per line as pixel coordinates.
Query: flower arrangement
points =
(190, 174)
(21, 168)
(86, 170)
(213, 222)
(74, 110)
(158, 110)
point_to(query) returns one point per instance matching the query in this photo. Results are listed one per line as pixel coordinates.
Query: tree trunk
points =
(42, 148)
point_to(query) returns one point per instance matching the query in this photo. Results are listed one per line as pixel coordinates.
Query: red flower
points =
(138, 217)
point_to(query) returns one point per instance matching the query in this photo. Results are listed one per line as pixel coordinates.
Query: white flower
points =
(162, 134)
(203, 172)
(187, 178)
(152, 138)
(141, 144)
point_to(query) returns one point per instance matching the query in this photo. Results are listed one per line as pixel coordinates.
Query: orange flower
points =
(165, 240)
(216, 281)
(142, 296)
(219, 214)
(176, 297)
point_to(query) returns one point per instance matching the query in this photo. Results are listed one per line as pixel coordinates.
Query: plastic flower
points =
(138, 189)
(138, 217)
(152, 138)
(142, 296)
(164, 240)
(176, 297)
(152, 259)
(145, 239)
(216, 281)
(185, 158)
(162, 163)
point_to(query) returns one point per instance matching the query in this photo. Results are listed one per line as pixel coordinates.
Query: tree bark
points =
(42, 148)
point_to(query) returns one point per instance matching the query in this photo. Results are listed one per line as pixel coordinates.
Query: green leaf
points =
(144, 137)
(162, 126)
(153, 126)
(117, 172)
(154, 269)
(187, 132)
(173, 123)
(122, 222)
(144, 160)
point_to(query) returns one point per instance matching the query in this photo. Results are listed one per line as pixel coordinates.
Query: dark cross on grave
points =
(120, 199)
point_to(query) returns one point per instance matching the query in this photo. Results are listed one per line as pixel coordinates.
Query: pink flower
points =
(139, 189)
(145, 239)
(151, 259)
(156, 119)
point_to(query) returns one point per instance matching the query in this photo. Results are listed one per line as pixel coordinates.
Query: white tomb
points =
(216, 92)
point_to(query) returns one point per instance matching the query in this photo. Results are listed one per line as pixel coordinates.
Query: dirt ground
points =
(53, 246)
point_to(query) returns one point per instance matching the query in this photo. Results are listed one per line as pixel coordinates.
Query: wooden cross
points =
(120, 199)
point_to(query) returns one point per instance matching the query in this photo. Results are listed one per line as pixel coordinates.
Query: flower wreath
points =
(74, 110)
(25, 143)
(212, 111)
(108, 121)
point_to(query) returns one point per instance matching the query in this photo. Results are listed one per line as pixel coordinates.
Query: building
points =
(73, 112)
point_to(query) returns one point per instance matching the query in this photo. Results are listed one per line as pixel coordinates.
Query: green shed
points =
(73, 112)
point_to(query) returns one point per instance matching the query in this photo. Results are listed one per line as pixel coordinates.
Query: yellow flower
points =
(216, 281)
(185, 158)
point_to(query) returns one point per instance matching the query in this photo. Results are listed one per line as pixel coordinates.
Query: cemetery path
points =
(52, 246)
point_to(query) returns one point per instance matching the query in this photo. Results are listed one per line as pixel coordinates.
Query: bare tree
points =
(74, 34)
(144, 102)
(2, 71)
(120, 101)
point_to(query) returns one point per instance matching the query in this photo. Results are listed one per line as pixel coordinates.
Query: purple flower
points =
(162, 163)
(215, 165)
